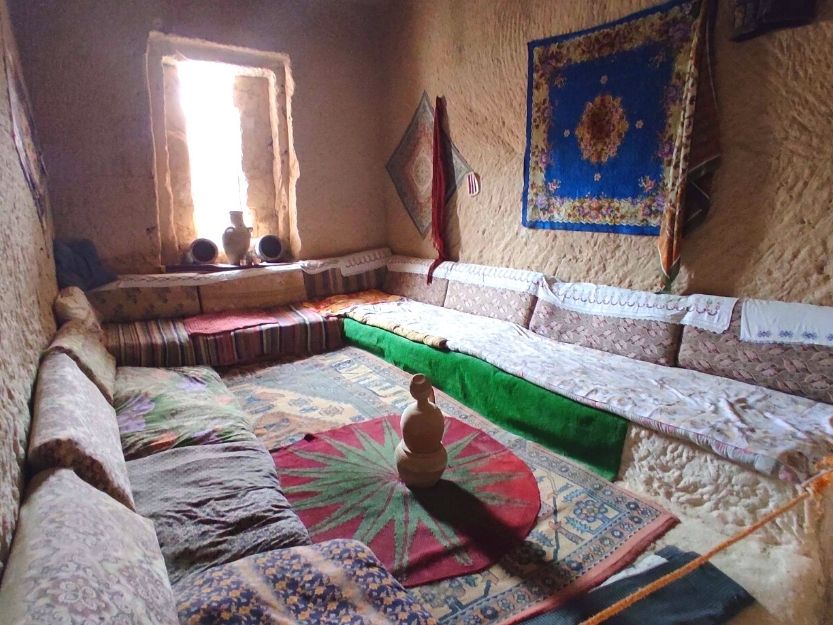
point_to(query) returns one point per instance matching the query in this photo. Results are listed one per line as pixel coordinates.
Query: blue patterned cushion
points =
(335, 582)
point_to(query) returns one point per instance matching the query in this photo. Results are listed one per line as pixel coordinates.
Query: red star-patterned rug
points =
(343, 483)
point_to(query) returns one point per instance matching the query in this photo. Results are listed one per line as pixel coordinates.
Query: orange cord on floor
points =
(812, 488)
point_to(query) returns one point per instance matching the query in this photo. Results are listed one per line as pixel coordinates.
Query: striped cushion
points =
(333, 282)
(155, 343)
(298, 331)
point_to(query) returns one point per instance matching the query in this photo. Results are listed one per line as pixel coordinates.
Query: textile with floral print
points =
(606, 121)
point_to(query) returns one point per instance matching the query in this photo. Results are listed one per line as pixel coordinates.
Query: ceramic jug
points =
(420, 455)
(236, 238)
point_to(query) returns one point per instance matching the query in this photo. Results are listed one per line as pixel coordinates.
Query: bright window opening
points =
(222, 142)
(213, 136)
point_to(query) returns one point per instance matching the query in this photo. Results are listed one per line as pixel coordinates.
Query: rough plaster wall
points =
(89, 94)
(179, 164)
(251, 96)
(26, 323)
(769, 233)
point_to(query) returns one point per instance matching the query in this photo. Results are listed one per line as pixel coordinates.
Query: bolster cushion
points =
(72, 305)
(798, 369)
(81, 557)
(408, 277)
(75, 427)
(118, 304)
(496, 292)
(641, 339)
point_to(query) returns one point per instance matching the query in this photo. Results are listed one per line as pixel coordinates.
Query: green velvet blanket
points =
(589, 435)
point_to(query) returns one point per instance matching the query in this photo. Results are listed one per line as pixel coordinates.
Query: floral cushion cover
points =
(75, 427)
(72, 305)
(334, 582)
(86, 348)
(158, 409)
(81, 557)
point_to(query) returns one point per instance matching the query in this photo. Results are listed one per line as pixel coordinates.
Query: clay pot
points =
(236, 238)
(420, 456)
(268, 248)
(201, 251)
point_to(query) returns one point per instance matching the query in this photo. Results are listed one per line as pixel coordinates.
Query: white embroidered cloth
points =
(707, 312)
(419, 266)
(147, 281)
(520, 280)
(764, 321)
(351, 264)
(774, 433)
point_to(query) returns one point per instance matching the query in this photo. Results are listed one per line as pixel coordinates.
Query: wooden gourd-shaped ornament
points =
(420, 455)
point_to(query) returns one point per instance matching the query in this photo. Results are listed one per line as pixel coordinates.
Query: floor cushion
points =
(331, 583)
(154, 343)
(298, 331)
(642, 339)
(213, 504)
(81, 557)
(158, 409)
(74, 426)
(795, 368)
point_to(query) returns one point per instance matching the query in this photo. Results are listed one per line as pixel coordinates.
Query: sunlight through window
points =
(212, 124)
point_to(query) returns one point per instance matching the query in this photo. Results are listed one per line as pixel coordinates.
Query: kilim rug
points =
(587, 529)
(343, 483)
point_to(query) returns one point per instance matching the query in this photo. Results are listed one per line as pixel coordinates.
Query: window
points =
(213, 136)
(221, 138)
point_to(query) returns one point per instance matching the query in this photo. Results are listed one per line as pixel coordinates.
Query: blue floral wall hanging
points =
(609, 113)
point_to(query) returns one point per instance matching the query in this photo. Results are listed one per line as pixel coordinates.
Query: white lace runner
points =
(708, 312)
(765, 321)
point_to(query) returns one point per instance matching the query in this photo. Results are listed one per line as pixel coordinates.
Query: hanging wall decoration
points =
(751, 18)
(23, 130)
(411, 166)
(609, 121)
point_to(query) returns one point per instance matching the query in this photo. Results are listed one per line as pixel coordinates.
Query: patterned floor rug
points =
(344, 483)
(587, 528)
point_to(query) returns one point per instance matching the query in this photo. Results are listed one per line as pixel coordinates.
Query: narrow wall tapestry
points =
(411, 166)
(23, 128)
(609, 116)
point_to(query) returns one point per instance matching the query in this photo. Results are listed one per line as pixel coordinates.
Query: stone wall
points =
(90, 98)
(770, 232)
(26, 323)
